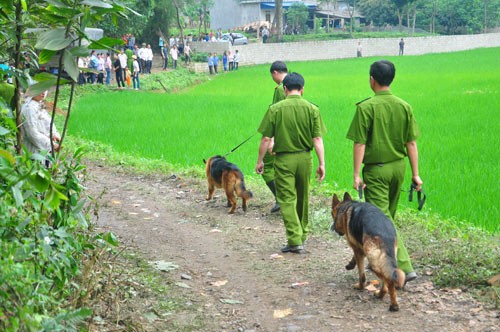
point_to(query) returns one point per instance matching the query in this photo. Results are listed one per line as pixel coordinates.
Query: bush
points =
(44, 238)
(199, 57)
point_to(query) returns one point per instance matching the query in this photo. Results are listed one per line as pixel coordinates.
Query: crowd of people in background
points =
(134, 59)
(230, 62)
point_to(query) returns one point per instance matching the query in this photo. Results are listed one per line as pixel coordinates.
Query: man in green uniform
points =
(297, 128)
(278, 72)
(384, 132)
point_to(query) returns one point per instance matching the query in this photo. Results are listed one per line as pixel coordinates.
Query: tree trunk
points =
(179, 24)
(351, 15)
(414, 17)
(205, 18)
(278, 17)
(433, 19)
(485, 15)
(17, 64)
(408, 17)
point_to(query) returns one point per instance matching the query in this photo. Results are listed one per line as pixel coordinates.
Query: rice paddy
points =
(455, 97)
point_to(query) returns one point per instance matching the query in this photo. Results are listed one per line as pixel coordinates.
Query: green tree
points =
(297, 15)
(380, 12)
(197, 13)
(42, 244)
(351, 6)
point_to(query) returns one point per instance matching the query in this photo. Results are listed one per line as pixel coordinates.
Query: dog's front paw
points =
(394, 307)
(351, 265)
(358, 286)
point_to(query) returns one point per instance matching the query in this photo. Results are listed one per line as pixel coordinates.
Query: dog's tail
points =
(399, 278)
(241, 191)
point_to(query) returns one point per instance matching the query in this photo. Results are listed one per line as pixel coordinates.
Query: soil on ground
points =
(218, 272)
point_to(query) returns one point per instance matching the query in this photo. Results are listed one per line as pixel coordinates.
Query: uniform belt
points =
(382, 164)
(293, 152)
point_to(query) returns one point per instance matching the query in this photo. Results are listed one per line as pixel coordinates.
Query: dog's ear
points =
(347, 197)
(335, 201)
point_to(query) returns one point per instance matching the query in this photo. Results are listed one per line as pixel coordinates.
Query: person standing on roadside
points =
(224, 61)
(164, 56)
(36, 128)
(236, 60)
(93, 64)
(187, 54)
(117, 67)
(135, 74)
(215, 61)
(123, 63)
(142, 58)
(148, 53)
(265, 34)
(174, 53)
(108, 66)
(230, 59)
(293, 160)
(401, 46)
(384, 132)
(210, 61)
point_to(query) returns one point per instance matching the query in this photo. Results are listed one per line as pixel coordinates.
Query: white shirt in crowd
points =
(142, 53)
(148, 54)
(174, 53)
(123, 60)
(36, 126)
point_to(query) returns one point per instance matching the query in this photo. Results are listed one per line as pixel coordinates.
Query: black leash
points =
(420, 193)
(360, 191)
(237, 146)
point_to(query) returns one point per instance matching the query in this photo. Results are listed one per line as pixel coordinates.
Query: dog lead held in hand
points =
(420, 193)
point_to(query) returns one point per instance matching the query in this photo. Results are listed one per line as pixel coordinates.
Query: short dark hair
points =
(293, 81)
(383, 72)
(279, 66)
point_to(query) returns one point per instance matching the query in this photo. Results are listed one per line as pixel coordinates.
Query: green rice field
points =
(455, 96)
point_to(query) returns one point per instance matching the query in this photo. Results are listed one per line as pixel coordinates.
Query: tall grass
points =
(455, 98)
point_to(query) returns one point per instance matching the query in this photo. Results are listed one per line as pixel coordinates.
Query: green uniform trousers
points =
(383, 188)
(268, 174)
(292, 176)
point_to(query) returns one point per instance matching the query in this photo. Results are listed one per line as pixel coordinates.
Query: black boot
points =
(272, 187)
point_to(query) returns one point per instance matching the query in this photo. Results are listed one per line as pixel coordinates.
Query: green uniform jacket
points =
(279, 94)
(293, 123)
(385, 123)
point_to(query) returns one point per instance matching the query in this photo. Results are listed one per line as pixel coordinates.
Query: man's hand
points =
(259, 168)
(358, 182)
(418, 181)
(320, 173)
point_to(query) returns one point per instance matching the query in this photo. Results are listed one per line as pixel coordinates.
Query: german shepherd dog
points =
(370, 233)
(223, 174)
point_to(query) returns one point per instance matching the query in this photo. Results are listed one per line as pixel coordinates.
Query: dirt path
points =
(238, 281)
